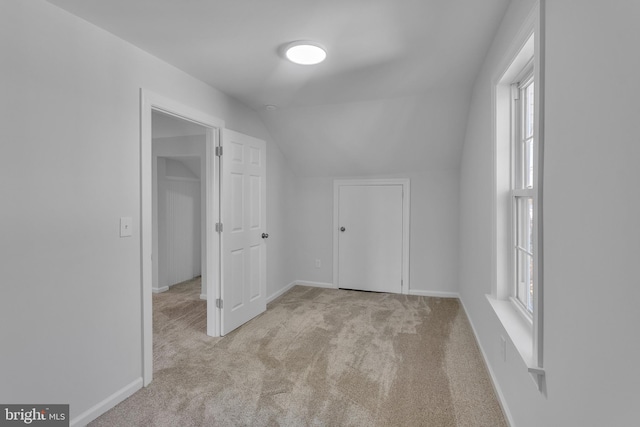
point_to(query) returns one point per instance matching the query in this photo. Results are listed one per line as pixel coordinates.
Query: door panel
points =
(243, 176)
(370, 247)
(236, 276)
(255, 279)
(236, 196)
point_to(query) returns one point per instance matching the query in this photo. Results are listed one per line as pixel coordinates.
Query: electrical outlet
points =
(503, 348)
(318, 263)
(126, 225)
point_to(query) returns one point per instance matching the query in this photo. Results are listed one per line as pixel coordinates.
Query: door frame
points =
(406, 221)
(149, 102)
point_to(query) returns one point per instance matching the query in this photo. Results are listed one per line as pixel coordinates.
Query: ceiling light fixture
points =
(305, 53)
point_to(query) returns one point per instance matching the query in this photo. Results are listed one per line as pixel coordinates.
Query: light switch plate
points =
(126, 225)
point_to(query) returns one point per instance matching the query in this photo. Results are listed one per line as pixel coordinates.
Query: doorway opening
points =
(178, 150)
(233, 261)
(192, 152)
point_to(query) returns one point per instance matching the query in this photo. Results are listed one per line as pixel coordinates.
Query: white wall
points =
(192, 147)
(70, 311)
(281, 244)
(313, 227)
(591, 211)
(179, 224)
(433, 263)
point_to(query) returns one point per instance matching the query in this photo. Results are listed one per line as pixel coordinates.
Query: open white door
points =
(243, 191)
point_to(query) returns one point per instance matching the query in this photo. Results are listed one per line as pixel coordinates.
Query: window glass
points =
(528, 163)
(525, 280)
(523, 201)
(524, 224)
(524, 252)
(529, 111)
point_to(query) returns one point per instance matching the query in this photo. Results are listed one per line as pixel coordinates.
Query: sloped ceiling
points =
(392, 95)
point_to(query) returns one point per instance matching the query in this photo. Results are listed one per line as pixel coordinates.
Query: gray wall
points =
(591, 212)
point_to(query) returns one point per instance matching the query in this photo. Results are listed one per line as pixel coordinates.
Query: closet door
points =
(370, 237)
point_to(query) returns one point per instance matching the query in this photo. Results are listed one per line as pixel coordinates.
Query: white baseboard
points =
(159, 290)
(494, 382)
(100, 408)
(300, 283)
(315, 284)
(203, 296)
(280, 292)
(437, 294)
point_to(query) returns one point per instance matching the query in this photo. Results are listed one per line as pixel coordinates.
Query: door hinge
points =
(219, 151)
(218, 227)
(401, 283)
(219, 303)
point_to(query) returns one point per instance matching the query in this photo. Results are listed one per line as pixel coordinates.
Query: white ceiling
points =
(404, 51)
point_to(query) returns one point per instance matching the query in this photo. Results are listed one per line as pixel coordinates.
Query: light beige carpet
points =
(316, 357)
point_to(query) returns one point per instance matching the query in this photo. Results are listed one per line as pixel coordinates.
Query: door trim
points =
(406, 221)
(149, 102)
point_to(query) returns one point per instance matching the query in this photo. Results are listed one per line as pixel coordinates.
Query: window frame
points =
(523, 332)
(519, 189)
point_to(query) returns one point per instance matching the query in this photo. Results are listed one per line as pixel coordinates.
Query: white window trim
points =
(525, 76)
(524, 332)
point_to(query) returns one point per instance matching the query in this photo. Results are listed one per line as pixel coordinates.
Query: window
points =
(523, 191)
(516, 294)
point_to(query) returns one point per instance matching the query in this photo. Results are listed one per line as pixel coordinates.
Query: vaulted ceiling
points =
(391, 97)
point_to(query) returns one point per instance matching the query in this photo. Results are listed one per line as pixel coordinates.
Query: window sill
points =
(520, 333)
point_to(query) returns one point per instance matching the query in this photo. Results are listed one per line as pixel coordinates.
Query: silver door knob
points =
(265, 236)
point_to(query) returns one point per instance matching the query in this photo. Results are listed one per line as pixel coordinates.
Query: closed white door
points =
(370, 237)
(243, 179)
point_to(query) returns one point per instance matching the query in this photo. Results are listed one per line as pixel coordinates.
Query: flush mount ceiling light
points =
(305, 53)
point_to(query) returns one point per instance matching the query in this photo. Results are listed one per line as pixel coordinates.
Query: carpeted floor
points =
(316, 357)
